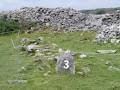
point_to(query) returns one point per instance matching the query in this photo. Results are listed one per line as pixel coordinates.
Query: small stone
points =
(108, 63)
(22, 48)
(112, 68)
(54, 45)
(17, 81)
(40, 38)
(86, 70)
(83, 56)
(24, 40)
(23, 68)
(47, 24)
(115, 41)
(47, 73)
(81, 73)
(56, 58)
(60, 50)
(32, 47)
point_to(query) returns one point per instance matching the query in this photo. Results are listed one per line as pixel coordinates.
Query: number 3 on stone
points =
(66, 66)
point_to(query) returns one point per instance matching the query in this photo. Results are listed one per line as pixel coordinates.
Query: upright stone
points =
(65, 63)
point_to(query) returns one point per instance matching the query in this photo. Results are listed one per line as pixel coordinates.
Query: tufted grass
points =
(100, 78)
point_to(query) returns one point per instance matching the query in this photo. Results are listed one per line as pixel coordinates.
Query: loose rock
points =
(106, 51)
(83, 56)
(17, 81)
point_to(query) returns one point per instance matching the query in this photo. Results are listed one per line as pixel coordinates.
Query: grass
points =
(100, 78)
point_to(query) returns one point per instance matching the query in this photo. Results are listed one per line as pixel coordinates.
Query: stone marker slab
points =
(65, 63)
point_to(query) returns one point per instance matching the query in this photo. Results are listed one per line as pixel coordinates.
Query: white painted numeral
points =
(66, 66)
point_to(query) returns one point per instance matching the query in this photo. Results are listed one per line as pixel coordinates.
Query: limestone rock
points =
(106, 51)
(83, 56)
(109, 34)
(17, 81)
(32, 47)
(112, 68)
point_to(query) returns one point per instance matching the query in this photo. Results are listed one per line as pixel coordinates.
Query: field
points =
(100, 78)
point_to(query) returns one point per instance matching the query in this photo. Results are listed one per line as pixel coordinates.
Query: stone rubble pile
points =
(109, 34)
(111, 19)
(110, 28)
(59, 19)
(68, 19)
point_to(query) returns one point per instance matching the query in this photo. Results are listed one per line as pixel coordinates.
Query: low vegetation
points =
(8, 26)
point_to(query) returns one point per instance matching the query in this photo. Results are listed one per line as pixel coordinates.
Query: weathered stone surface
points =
(113, 68)
(106, 51)
(17, 81)
(65, 63)
(24, 40)
(83, 56)
(22, 48)
(32, 47)
(108, 63)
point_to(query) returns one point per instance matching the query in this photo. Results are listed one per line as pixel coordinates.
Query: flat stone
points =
(106, 51)
(108, 63)
(112, 68)
(32, 47)
(83, 56)
(17, 81)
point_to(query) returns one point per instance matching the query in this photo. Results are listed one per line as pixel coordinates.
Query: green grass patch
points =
(100, 78)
